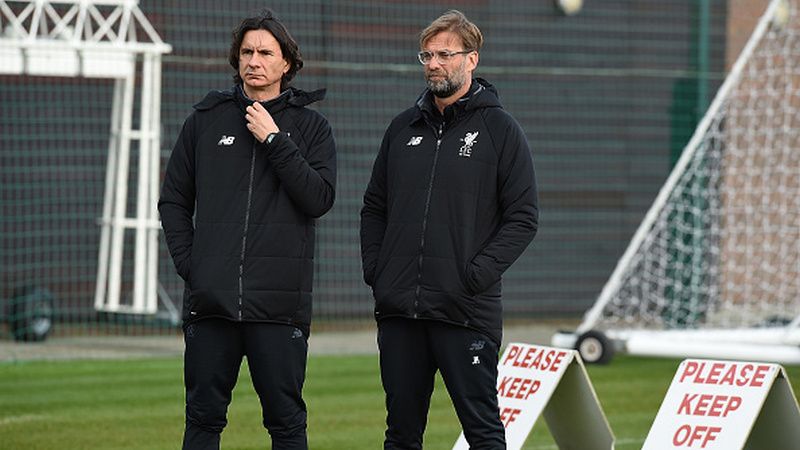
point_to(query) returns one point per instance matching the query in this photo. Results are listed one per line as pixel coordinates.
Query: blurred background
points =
(608, 98)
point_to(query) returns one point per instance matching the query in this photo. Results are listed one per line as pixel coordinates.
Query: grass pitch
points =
(138, 404)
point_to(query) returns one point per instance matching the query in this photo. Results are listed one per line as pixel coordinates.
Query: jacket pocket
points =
(476, 279)
(184, 268)
(380, 265)
(192, 269)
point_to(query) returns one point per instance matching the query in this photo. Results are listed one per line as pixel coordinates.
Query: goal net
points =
(720, 246)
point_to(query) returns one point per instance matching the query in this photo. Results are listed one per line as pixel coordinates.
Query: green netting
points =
(602, 95)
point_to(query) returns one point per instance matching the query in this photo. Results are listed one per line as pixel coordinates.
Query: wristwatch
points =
(270, 137)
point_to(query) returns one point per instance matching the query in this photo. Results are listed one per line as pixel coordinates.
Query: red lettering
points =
(534, 358)
(744, 375)
(758, 377)
(548, 358)
(534, 388)
(722, 405)
(730, 375)
(719, 373)
(687, 436)
(714, 373)
(701, 409)
(708, 405)
(503, 386)
(520, 388)
(712, 434)
(537, 361)
(557, 362)
(733, 405)
(689, 370)
(523, 387)
(528, 355)
(512, 353)
(681, 434)
(716, 406)
(698, 378)
(512, 390)
(686, 404)
(508, 415)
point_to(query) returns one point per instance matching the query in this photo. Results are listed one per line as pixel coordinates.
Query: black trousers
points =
(276, 355)
(411, 351)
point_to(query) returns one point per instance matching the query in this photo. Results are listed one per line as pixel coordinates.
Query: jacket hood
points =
(481, 94)
(288, 98)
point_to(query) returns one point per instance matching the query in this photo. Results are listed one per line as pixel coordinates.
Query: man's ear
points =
(473, 59)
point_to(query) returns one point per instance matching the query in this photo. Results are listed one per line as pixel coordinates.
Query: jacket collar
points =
(290, 97)
(481, 94)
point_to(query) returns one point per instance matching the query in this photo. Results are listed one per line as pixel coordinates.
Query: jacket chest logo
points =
(226, 140)
(414, 141)
(469, 140)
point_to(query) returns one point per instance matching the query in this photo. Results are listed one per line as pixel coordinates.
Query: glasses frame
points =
(421, 56)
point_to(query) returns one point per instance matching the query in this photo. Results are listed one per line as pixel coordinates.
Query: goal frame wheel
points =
(595, 347)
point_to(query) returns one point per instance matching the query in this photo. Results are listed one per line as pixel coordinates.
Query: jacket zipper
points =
(246, 226)
(425, 216)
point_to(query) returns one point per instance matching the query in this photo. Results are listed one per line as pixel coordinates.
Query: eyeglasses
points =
(442, 56)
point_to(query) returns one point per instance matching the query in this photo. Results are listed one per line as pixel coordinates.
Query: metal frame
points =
(104, 39)
(778, 344)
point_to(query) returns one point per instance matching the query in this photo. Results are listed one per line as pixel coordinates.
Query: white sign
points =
(727, 405)
(535, 379)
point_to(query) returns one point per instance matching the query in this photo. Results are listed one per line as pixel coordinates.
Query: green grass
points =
(138, 404)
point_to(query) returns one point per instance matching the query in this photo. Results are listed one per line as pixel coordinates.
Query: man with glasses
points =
(451, 204)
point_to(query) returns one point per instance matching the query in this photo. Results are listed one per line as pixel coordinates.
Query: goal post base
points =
(595, 347)
(564, 339)
(776, 345)
(749, 345)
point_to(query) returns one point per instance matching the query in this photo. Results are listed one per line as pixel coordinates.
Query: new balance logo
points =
(414, 141)
(226, 140)
(477, 345)
(469, 140)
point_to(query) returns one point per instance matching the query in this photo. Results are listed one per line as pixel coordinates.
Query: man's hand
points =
(260, 122)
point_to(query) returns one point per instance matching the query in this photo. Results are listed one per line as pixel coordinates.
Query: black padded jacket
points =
(451, 204)
(239, 215)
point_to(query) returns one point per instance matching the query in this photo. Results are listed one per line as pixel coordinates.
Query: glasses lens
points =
(424, 57)
(444, 57)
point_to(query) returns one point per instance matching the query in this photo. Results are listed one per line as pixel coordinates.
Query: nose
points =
(433, 63)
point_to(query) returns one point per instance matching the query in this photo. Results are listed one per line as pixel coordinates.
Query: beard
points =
(448, 85)
(443, 88)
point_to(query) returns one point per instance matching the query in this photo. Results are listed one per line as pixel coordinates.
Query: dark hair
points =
(267, 21)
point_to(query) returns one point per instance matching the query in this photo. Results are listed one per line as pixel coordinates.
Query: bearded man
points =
(451, 204)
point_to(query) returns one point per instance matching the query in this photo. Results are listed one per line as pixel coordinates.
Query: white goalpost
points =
(108, 39)
(714, 268)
